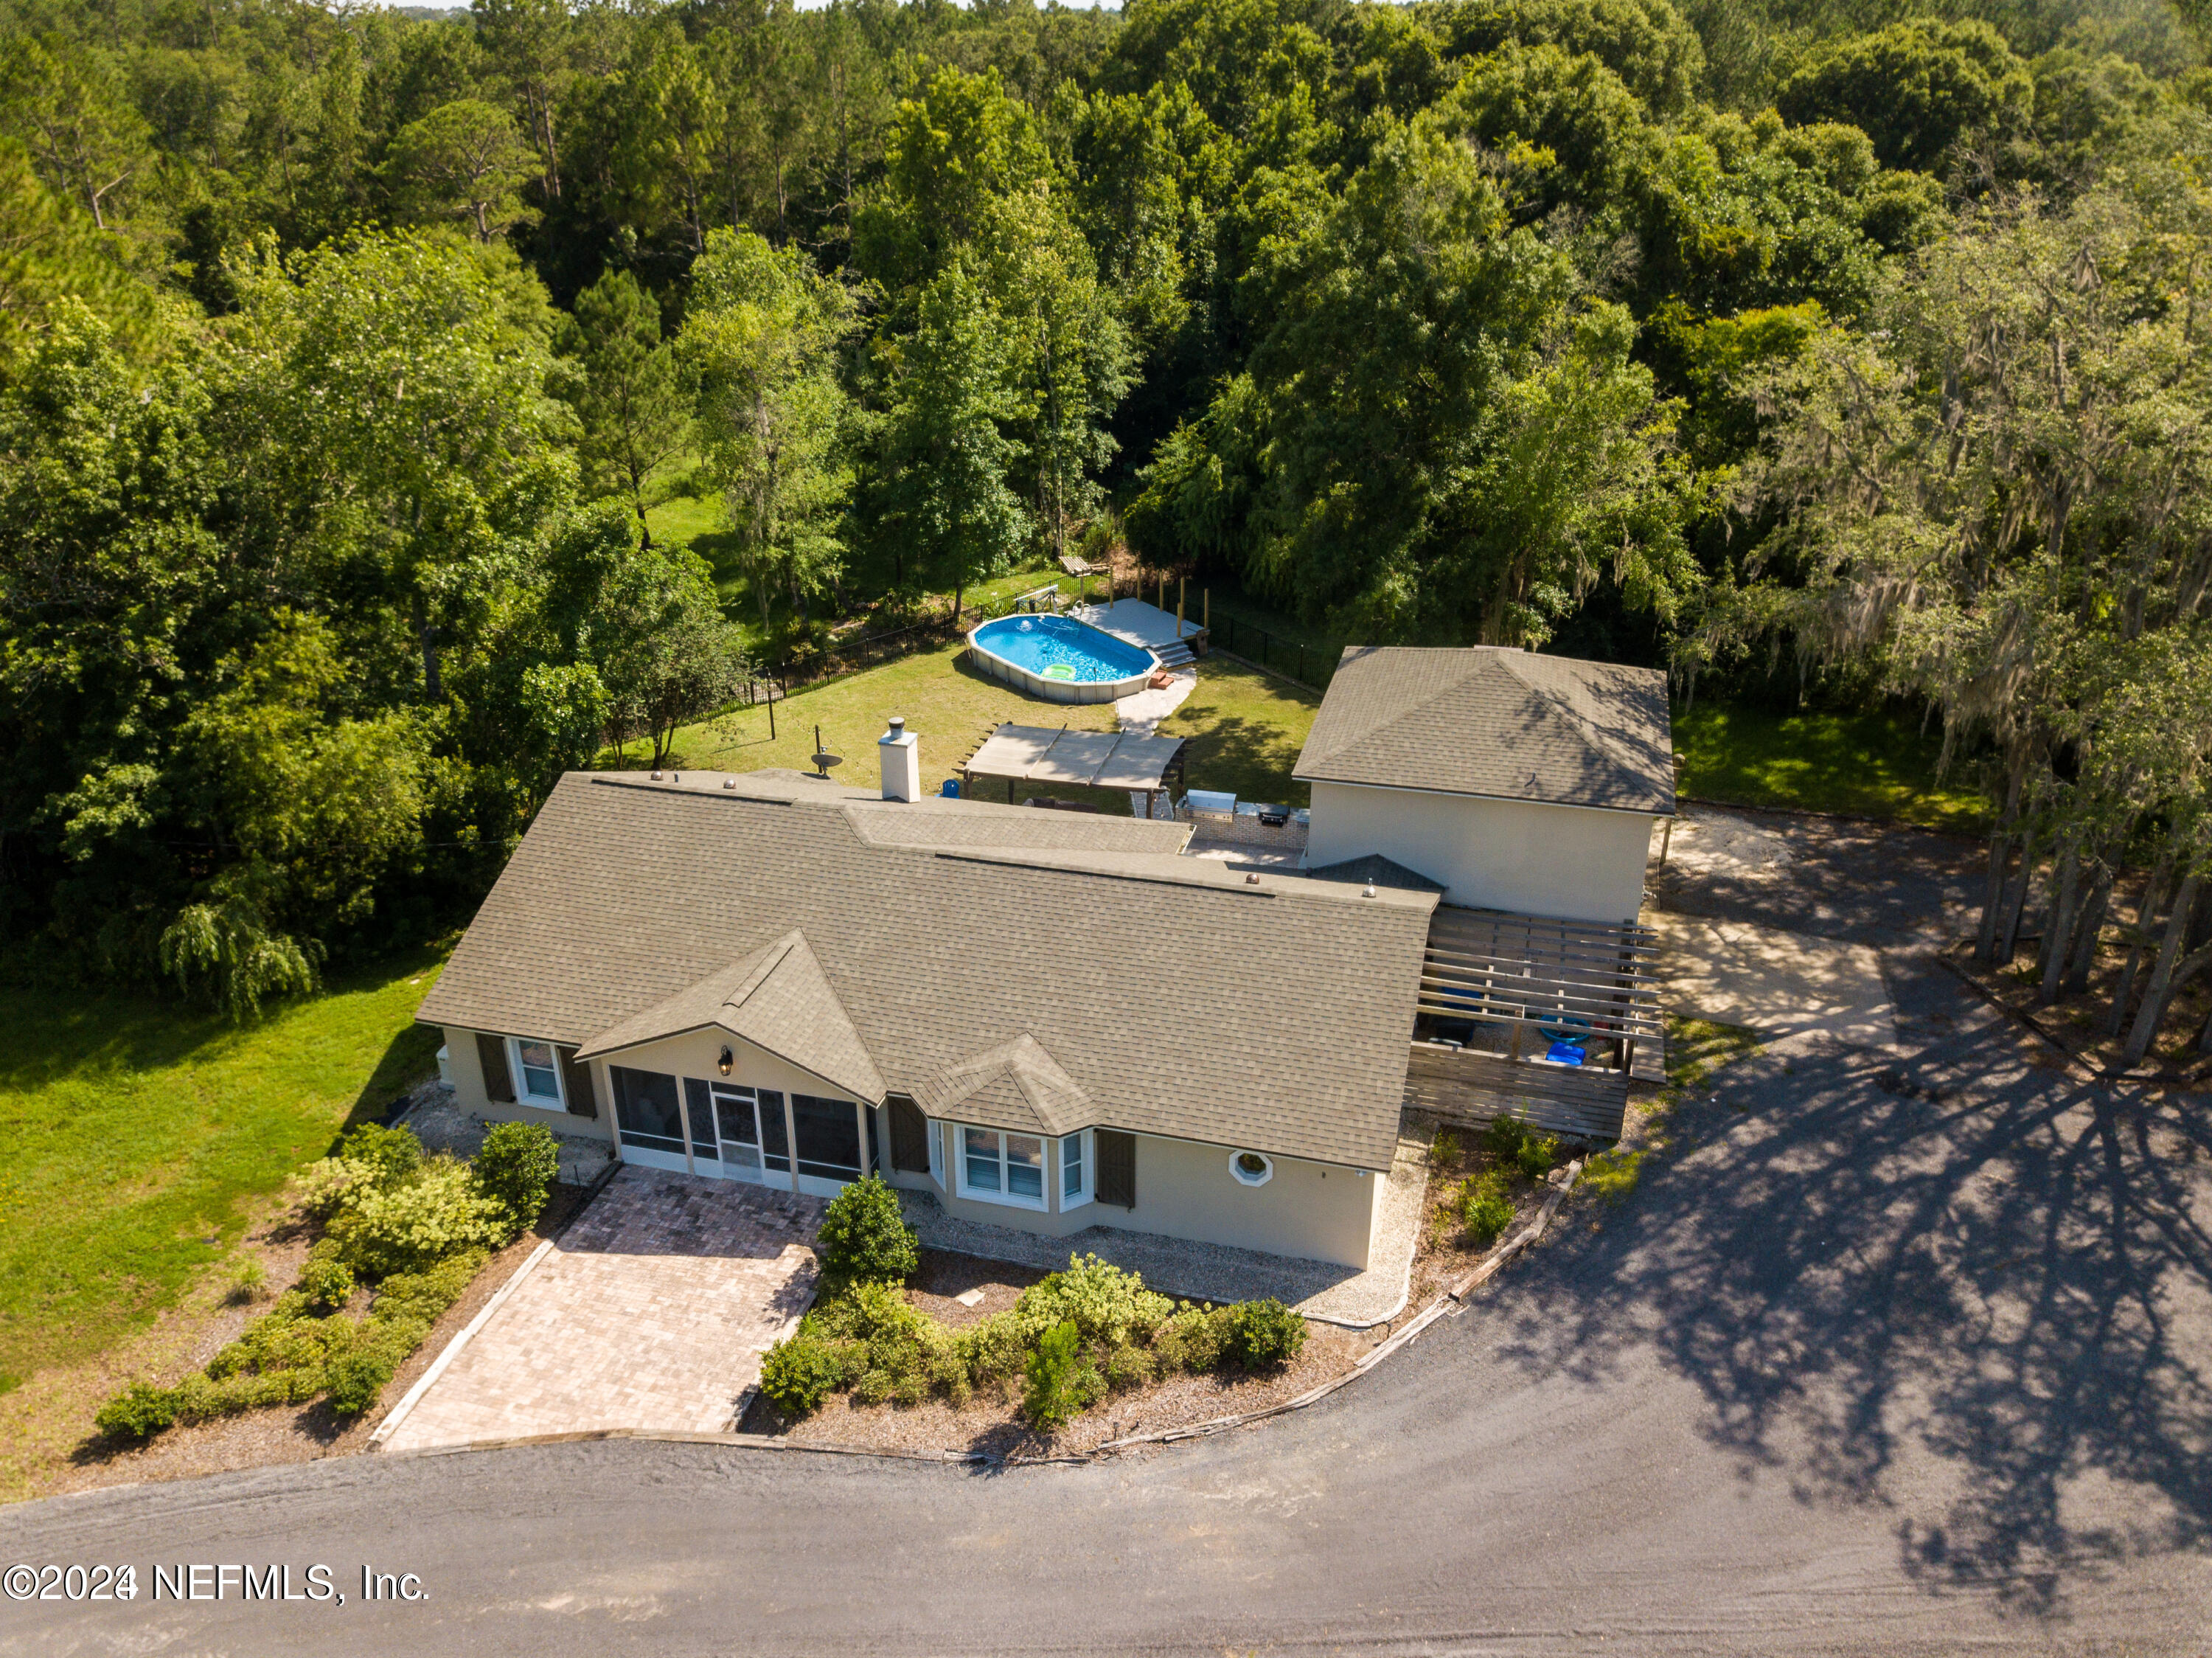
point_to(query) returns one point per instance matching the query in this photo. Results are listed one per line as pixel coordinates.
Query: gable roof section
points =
(1496, 723)
(1018, 1085)
(1174, 1000)
(777, 999)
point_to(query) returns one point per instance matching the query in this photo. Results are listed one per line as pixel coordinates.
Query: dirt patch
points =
(70, 1457)
(990, 1422)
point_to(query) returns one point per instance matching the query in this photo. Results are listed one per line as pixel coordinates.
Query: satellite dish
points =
(824, 759)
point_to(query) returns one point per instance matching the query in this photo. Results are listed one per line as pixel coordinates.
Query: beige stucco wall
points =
(1565, 860)
(469, 1093)
(1185, 1190)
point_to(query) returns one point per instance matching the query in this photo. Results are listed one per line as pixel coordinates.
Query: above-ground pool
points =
(1061, 659)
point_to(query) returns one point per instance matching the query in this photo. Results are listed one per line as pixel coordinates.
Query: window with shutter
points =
(578, 1079)
(499, 1084)
(1117, 1153)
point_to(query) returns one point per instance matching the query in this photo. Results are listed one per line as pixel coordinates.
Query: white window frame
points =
(523, 1096)
(937, 1153)
(1238, 1175)
(1049, 1168)
(1088, 1153)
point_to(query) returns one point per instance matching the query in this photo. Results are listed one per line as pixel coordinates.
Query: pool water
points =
(1062, 649)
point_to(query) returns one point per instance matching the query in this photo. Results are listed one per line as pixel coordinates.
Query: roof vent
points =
(729, 783)
(1370, 893)
(1252, 880)
(656, 776)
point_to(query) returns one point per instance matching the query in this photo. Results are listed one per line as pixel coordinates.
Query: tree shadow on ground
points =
(1249, 758)
(1969, 1289)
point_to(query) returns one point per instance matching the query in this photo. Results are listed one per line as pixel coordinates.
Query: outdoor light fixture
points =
(723, 1064)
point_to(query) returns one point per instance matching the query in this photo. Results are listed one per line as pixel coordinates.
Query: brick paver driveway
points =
(652, 1311)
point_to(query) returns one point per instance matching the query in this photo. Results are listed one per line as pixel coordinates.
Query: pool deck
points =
(1136, 623)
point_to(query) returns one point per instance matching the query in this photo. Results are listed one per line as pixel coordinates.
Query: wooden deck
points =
(1497, 988)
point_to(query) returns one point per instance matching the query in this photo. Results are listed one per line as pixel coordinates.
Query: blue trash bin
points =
(952, 789)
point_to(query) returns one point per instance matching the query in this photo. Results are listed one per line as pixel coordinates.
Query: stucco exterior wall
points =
(1184, 1189)
(469, 1093)
(1569, 861)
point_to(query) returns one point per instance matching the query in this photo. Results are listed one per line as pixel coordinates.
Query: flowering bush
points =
(439, 1213)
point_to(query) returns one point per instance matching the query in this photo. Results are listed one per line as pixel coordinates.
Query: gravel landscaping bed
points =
(443, 1125)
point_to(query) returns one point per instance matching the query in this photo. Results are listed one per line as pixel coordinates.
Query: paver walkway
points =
(652, 1311)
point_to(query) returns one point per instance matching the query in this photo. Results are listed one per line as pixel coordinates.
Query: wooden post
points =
(1179, 599)
(1205, 610)
(1666, 840)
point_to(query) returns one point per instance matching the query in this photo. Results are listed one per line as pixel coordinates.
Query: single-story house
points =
(1045, 1020)
(1511, 781)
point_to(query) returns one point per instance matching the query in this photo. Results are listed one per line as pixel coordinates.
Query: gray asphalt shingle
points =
(1178, 999)
(1493, 721)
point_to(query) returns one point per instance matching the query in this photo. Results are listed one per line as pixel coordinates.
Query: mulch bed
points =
(290, 1433)
(990, 1422)
(1442, 1252)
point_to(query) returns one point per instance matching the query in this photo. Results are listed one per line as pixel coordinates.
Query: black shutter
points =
(909, 1137)
(1117, 1167)
(576, 1083)
(499, 1083)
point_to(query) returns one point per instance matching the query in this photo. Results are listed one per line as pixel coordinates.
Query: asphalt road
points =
(1887, 1354)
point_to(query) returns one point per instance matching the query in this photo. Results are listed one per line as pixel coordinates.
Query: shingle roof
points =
(1498, 723)
(1017, 1085)
(1173, 996)
(776, 998)
(1379, 871)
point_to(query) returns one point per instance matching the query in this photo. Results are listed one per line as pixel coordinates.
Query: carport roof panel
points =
(1139, 763)
(1075, 757)
(1093, 760)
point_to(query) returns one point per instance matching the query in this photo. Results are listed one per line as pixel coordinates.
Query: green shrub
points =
(384, 1230)
(247, 1282)
(1484, 1210)
(323, 1186)
(1444, 1149)
(993, 1349)
(1517, 1146)
(325, 1281)
(1107, 1305)
(515, 1167)
(800, 1372)
(1062, 1379)
(1193, 1340)
(284, 1338)
(1129, 1366)
(1264, 1334)
(864, 1238)
(393, 1156)
(356, 1382)
(138, 1413)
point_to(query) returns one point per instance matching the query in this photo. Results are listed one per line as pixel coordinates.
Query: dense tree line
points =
(344, 353)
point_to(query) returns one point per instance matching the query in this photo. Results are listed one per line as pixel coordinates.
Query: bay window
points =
(998, 1167)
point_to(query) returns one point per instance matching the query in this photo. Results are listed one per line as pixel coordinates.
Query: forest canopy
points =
(344, 353)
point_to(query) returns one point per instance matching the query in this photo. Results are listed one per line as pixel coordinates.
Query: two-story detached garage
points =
(1513, 782)
(1047, 1020)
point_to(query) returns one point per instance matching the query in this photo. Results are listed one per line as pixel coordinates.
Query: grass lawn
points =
(1245, 728)
(138, 1132)
(1877, 764)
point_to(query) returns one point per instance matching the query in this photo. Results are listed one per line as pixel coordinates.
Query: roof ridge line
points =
(760, 975)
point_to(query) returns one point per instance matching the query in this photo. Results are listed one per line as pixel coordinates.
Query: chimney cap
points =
(898, 725)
